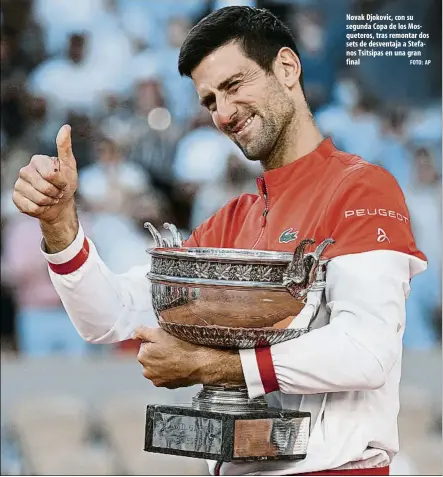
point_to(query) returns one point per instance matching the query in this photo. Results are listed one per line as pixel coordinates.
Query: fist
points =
(46, 186)
(167, 361)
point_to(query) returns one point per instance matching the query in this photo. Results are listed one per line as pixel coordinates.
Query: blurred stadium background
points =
(146, 151)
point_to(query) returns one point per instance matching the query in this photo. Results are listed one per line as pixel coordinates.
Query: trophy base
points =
(268, 434)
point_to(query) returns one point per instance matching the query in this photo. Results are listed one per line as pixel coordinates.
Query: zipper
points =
(262, 186)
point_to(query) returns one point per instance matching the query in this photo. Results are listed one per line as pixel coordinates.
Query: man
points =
(346, 373)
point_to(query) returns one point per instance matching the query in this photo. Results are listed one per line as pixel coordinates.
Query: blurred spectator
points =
(110, 52)
(138, 24)
(423, 197)
(179, 93)
(14, 68)
(182, 98)
(333, 118)
(425, 129)
(394, 154)
(111, 184)
(84, 131)
(42, 325)
(363, 131)
(118, 195)
(69, 83)
(60, 19)
(114, 118)
(32, 43)
(39, 136)
(8, 311)
(211, 197)
(153, 134)
(424, 201)
(145, 21)
(318, 68)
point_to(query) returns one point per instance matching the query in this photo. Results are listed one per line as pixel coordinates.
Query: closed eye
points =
(234, 85)
(208, 102)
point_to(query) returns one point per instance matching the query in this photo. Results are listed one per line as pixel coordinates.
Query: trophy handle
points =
(155, 234)
(295, 273)
(321, 248)
(167, 242)
(177, 239)
(304, 273)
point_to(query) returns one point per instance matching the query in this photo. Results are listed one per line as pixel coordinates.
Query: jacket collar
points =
(299, 168)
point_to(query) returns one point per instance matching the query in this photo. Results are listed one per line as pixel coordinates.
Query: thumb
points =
(64, 145)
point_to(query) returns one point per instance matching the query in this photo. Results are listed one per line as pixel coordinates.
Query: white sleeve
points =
(365, 295)
(103, 306)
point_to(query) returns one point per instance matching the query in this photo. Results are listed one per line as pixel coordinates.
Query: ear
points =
(287, 67)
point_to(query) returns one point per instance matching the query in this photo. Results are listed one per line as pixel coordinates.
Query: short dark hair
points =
(259, 33)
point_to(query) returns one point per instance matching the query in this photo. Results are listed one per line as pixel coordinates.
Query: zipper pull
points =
(265, 211)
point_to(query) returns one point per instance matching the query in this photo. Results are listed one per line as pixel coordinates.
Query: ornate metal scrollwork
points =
(301, 274)
(162, 242)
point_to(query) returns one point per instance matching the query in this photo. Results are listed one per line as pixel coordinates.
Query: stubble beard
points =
(275, 118)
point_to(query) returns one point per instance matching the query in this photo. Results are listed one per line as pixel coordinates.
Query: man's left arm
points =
(366, 296)
(367, 283)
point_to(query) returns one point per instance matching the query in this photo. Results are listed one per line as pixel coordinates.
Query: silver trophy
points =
(231, 298)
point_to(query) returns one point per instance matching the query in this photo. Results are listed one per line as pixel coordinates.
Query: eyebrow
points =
(222, 87)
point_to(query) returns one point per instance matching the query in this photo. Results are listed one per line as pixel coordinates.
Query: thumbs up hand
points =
(46, 186)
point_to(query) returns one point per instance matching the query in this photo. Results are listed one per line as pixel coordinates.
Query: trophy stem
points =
(232, 400)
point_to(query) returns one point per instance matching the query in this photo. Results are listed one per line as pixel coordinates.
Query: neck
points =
(300, 138)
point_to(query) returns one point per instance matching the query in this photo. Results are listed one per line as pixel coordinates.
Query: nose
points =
(226, 110)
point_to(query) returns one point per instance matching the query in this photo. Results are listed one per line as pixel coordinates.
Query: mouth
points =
(241, 128)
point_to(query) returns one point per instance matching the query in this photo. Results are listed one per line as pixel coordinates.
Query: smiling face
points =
(250, 106)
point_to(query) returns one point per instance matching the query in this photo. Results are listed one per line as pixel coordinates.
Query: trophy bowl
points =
(238, 299)
(228, 298)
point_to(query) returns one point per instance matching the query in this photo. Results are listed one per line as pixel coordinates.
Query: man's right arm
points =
(58, 235)
(103, 306)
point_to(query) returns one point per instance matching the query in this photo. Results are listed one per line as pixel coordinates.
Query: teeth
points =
(249, 120)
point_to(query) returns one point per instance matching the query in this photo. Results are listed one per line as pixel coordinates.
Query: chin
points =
(248, 152)
(255, 152)
(249, 149)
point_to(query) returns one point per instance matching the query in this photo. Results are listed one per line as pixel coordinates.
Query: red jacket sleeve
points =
(368, 212)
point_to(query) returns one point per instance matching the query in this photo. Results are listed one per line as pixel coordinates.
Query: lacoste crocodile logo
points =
(288, 235)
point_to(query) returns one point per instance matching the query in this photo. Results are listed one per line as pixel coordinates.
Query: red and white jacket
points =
(346, 371)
